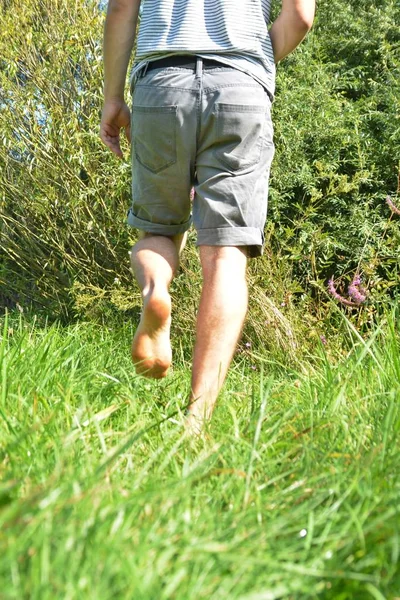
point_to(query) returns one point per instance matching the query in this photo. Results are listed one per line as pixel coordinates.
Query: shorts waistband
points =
(186, 62)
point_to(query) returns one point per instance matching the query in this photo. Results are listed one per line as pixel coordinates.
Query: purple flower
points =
(356, 292)
(335, 294)
(392, 206)
(323, 340)
(248, 344)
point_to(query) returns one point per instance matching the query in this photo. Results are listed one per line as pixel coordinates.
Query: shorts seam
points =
(167, 87)
(199, 111)
(234, 85)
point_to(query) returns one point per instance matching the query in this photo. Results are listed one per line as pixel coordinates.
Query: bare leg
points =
(154, 260)
(222, 310)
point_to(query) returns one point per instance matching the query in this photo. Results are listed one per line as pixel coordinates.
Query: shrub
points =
(63, 196)
(337, 138)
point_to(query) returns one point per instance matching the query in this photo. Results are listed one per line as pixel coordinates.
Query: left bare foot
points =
(151, 347)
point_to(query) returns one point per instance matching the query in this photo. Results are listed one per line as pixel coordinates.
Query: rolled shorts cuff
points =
(157, 228)
(233, 236)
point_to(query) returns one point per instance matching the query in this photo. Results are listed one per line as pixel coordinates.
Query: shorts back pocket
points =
(240, 130)
(154, 136)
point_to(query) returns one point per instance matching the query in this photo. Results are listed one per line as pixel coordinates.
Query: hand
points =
(116, 115)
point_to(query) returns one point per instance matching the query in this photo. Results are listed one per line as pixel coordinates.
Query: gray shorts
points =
(209, 129)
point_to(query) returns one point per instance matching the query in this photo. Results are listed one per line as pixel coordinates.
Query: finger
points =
(112, 143)
(116, 149)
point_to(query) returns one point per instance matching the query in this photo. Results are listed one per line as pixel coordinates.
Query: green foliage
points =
(293, 494)
(63, 197)
(338, 140)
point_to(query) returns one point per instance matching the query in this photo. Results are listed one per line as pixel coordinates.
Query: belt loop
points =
(199, 67)
(144, 70)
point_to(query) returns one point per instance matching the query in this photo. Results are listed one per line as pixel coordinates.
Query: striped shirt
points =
(233, 32)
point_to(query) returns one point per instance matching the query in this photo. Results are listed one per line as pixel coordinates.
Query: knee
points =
(227, 260)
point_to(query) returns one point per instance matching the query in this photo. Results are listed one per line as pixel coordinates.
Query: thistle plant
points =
(356, 292)
(392, 205)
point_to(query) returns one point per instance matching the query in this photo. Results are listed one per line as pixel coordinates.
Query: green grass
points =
(294, 492)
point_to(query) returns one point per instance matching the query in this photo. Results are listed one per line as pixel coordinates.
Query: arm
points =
(119, 37)
(291, 26)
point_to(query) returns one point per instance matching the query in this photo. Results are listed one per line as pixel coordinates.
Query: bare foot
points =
(151, 347)
(194, 425)
(197, 417)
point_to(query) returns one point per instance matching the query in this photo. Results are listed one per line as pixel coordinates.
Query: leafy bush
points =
(63, 197)
(337, 136)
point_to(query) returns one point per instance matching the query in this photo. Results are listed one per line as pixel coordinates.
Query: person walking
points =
(202, 84)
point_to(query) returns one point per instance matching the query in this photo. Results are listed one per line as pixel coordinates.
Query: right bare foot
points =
(194, 425)
(151, 347)
(199, 413)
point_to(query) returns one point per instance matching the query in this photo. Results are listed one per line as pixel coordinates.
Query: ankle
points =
(155, 290)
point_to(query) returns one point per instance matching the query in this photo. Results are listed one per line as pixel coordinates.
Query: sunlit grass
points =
(293, 492)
